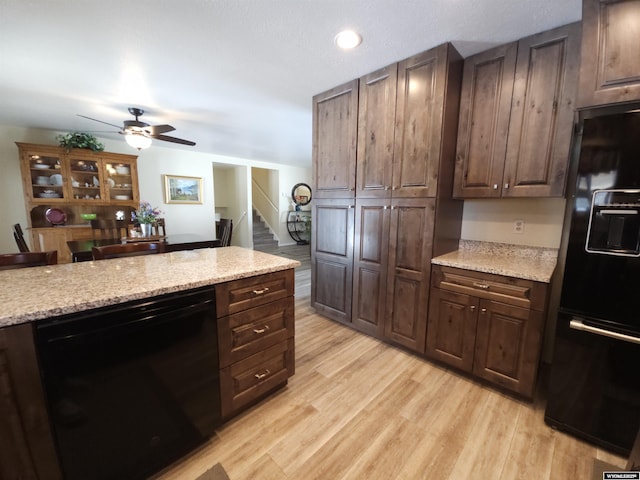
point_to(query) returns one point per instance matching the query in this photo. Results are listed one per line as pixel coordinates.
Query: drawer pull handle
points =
(260, 292)
(260, 376)
(483, 286)
(261, 330)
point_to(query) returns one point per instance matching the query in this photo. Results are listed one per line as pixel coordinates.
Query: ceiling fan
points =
(139, 134)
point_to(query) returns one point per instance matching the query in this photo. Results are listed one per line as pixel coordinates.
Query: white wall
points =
(152, 164)
(493, 221)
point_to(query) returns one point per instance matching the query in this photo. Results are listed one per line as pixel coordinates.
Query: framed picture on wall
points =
(178, 189)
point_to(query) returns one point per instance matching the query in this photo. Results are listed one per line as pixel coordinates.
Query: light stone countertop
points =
(529, 263)
(35, 293)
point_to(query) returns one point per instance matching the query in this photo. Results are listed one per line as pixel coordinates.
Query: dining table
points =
(81, 250)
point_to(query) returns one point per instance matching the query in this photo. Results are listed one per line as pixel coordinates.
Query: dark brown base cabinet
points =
(487, 325)
(26, 442)
(332, 257)
(255, 337)
(392, 267)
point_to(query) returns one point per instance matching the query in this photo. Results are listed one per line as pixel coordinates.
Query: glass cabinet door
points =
(120, 181)
(47, 177)
(85, 179)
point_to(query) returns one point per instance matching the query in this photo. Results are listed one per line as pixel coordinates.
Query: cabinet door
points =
(332, 257)
(121, 181)
(410, 249)
(86, 177)
(610, 68)
(485, 106)
(27, 450)
(370, 265)
(43, 176)
(508, 346)
(541, 124)
(451, 334)
(47, 239)
(422, 85)
(376, 121)
(335, 119)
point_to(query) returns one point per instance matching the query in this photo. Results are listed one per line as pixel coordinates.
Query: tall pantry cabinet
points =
(383, 160)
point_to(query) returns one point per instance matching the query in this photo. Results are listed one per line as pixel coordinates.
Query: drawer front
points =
(245, 333)
(252, 378)
(512, 291)
(239, 295)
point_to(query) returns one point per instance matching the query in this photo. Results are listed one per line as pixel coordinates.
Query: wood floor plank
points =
(361, 409)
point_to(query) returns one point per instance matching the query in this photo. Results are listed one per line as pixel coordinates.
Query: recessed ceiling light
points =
(348, 39)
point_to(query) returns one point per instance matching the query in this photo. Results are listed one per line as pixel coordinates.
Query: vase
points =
(145, 229)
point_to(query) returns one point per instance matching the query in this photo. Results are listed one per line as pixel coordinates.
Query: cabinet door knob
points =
(258, 331)
(483, 310)
(495, 186)
(506, 185)
(260, 292)
(472, 308)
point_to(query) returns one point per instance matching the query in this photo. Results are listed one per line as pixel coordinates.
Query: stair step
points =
(262, 237)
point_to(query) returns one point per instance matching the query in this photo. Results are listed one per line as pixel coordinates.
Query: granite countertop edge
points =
(44, 292)
(517, 261)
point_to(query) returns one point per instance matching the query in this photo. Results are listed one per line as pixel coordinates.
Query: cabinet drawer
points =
(239, 295)
(250, 379)
(246, 333)
(512, 291)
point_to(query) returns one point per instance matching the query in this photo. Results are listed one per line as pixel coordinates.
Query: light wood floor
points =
(360, 409)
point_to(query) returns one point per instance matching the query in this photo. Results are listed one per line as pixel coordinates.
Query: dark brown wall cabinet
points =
(516, 117)
(335, 123)
(487, 325)
(371, 254)
(610, 68)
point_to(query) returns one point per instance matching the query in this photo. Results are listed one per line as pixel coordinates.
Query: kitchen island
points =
(42, 292)
(235, 352)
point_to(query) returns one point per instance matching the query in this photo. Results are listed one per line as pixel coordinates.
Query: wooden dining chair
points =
(224, 229)
(127, 250)
(103, 228)
(18, 235)
(9, 261)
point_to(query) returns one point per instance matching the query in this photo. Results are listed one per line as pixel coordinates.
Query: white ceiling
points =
(235, 76)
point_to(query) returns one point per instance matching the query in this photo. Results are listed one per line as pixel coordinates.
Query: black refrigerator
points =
(594, 385)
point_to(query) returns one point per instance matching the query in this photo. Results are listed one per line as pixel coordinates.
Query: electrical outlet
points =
(518, 226)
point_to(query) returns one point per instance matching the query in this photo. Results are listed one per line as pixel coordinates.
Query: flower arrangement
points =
(80, 140)
(146, 213)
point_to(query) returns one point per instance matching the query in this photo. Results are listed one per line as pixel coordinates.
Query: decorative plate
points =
(55, 216)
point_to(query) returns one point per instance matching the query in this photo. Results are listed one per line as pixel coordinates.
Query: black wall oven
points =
(133, 387)
(594, 388)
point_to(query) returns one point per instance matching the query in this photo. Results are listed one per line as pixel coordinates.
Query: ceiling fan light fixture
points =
(138, 140)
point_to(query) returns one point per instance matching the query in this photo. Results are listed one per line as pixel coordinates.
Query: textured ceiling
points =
(235, 76)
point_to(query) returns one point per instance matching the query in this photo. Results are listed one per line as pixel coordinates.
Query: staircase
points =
(262, 237)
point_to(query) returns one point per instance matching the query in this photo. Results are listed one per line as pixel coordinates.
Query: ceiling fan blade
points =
(167, 138)
(95, 120)
(158, 129)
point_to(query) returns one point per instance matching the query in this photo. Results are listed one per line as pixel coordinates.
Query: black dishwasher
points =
(133, 387)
